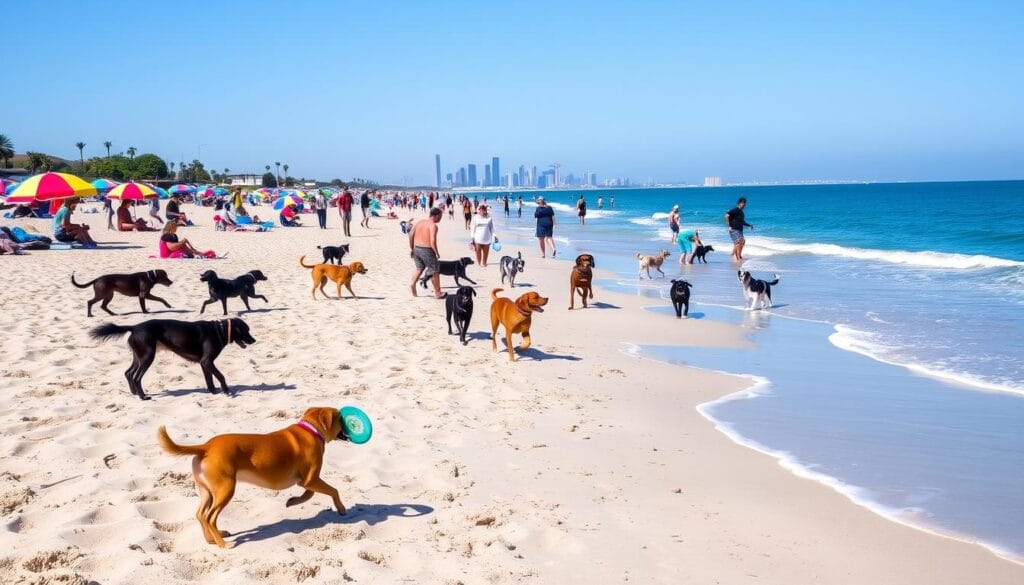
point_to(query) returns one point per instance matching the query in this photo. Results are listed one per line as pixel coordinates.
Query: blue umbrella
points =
(287, 200)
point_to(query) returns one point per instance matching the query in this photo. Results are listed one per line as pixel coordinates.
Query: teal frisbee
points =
(358, 427)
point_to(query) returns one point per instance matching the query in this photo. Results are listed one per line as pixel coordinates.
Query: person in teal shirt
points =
(65, 231)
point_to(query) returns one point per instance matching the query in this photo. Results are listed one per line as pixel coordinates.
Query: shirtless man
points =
(423, 250)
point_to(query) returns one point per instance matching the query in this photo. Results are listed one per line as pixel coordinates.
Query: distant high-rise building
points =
(496, 170)
(448, 179)
(712, 181)
(533, 177)
(592, 179)
(521, 179)
(460, 180)
(471, 175)
(488, 177)
(437, 168)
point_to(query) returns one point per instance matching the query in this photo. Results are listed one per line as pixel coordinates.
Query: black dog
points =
(137, 285)
(680, 295)
(201, 341)
(334, 254)
(510, 267)
(460, 305)
(456, 268)
(700, 252)
(220, 290)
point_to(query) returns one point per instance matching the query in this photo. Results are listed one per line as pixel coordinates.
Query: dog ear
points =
(328, 420)
(473, 290)
(593, 264)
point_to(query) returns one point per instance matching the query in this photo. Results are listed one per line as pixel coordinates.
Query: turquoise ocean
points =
(892, 367)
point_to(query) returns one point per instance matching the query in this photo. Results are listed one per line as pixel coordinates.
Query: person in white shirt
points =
(482, 231)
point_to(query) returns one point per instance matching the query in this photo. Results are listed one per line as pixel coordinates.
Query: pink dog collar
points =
(311, 429)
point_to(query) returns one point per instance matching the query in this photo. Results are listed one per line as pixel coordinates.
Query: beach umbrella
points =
(104, 184)
(179, 189)
(132, 192)
(6, 185)
(286, 200)
(220, 191)
(50, 186)
(161, 192)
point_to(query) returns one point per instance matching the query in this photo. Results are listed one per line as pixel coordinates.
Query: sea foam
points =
(762, 246)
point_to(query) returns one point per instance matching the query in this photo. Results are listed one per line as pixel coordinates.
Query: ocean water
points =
(892, 366)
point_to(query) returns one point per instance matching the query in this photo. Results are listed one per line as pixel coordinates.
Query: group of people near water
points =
(689, 239)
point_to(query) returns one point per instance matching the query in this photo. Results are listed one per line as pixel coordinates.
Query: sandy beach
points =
(580, 463)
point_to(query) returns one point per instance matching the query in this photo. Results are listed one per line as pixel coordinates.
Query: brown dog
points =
(138, 284)
(278, 460)
(341, 275)
(515, 316)
(580, 280)
(646, 262)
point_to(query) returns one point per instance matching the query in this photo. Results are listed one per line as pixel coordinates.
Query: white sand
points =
(589, 466)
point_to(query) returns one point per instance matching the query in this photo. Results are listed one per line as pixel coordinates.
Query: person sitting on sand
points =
(65, 231)
(174, 213)
(125, 223)
(289, 218)
(172, 247)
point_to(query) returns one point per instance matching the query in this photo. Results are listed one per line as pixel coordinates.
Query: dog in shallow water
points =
(647, 262)
(334, 254)
(460, 306)
(138, 284)
(700, 252)
(279, 460)
(199, 341)
(221, 289)
(680, 295)
(756, 290)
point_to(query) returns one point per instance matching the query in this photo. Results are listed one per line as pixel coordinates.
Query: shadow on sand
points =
(235, 389)
(372, 514)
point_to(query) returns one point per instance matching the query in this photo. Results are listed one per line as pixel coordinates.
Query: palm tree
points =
(285, 170)
(81, 146)
(131, 152)
(34, 161)
(172, 168)
(108, 144)
(6, 149)
(278, 172)
(47, 163)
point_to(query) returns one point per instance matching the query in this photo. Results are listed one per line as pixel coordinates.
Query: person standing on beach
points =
(611, 202)
(673, 223)
(467, 212)
(688, 240)
(154, 210)
(581, 210)
(364, 205)
(423, 250)
(506, 205)
(320, 205)
(545, 226)
(345, 202)
(482, 230)
(519, 206)
(108, 209)
(736, 220)
(600, 202)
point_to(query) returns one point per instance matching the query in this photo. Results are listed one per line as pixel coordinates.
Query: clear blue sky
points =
(672, 90)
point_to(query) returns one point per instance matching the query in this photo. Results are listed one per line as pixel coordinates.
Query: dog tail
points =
(108, 330)
(494, 293)
(304, 265)
(776, 281)
(639, 256)
(318, 248)
(176, 449)
(86, 285)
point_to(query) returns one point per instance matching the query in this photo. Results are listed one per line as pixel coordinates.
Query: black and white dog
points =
(510, 267)
(680, 295)
(334, 254)
(459, 305)
(756, 290)
(456, 268)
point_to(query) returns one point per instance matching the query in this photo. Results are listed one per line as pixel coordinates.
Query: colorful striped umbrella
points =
(286, 200)
(220, 191)
(178, 189)
(105, 184)
(50, 186)
(132, 192)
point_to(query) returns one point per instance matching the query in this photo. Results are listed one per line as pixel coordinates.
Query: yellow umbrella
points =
(133, 192)
(50, 186)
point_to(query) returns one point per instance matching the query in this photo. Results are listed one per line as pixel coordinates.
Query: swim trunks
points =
(425, 259)
(737, 236)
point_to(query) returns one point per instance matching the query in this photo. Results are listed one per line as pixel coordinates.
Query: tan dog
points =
(580, 281)
(515, 316)
(341, 275)
(276, 461)
(646, 262)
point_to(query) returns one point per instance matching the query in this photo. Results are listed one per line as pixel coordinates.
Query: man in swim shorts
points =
(736, 221)
(423, 250)
(688, 240)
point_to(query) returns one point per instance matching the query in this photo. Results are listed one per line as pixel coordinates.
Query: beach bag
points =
(496, 246)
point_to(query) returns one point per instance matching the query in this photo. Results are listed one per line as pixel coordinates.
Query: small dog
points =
(334, 254)
(580, 281)
(700, 252)
(680, 295)
(221, 290)
(515, 316)
(456, 268)
(510, 267)
(460, 305)
(136, 285)
(201, 341)
(278, 460)
(647, 262)
(757, 290)
(341, 275)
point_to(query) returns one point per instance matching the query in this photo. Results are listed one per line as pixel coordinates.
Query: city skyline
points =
(673, 91)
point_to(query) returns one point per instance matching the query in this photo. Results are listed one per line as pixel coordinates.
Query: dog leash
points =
(311, 429)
